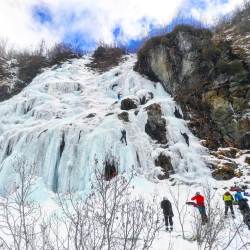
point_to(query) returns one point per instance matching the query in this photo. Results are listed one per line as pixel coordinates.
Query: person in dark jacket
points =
(168, 212)
(228, 199)
(123, 136)
(201, 206)
(245, 210)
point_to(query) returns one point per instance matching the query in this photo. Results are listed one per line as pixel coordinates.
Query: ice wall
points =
(49, 122)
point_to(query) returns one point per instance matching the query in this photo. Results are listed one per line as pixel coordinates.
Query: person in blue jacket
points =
(119, 96)
(123, 136)
(238, 196)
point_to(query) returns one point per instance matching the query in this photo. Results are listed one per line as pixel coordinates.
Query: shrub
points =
(222, 67)
(166, 41)
(29, 67)
(231, 68)
(19, 85)
(199, 32)
(211, 53)
(99, 52)
(106, 56)
(4, 92)
(236, 67)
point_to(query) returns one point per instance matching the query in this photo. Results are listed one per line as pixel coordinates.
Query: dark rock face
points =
(165, 163)
(156, 125)
(90, 115)
(109, 114)
(247, 160)
(177, 114)
(136, 112)
(146, 98)
(186, 137)
(124, 116)
(208, 81)
(128, 104)
(110, 170)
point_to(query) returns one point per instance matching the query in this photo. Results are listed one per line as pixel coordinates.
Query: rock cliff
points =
(209, 81)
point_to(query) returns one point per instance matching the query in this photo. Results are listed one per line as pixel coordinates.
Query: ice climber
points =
(201, 206)
(245, 210)
(168, 213)
(123, 136)
(228, 199)
(119, 96)
(238, 196)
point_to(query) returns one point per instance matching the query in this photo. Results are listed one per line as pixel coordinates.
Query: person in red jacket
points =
(201, 206)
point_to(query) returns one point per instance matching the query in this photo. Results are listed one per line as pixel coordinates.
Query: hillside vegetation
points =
(235, 28)
(19, 67)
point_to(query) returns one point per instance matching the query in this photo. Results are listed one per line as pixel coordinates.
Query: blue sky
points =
(87, 21)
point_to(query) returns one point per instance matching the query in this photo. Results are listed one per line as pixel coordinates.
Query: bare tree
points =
(19, 216)
(109, 217)
(180, 206)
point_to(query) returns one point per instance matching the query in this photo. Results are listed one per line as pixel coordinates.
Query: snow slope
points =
(48, 123)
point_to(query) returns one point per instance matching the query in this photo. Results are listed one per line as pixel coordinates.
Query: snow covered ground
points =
(68, 116)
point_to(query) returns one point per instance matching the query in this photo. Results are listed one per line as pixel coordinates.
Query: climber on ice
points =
(228, 199)
(245, 211)
(119, 96)
(201, 206)
(168, 212)
(123, 131)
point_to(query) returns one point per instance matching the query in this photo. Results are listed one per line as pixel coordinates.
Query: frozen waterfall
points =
(50, 123)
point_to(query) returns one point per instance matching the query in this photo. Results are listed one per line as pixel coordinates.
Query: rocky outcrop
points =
(124, 116)
(91, 115)
(164, 162)
(226, 172)
(208, 81)
(146, 97)
(128, 104)
(156, 125)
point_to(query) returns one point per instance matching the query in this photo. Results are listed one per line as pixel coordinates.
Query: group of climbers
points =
(242, 203)
(200, 204)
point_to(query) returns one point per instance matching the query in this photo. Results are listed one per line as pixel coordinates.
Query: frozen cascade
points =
(48, 122)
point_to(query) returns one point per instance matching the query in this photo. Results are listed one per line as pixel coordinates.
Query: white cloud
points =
(214, 9)
(93, 19)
